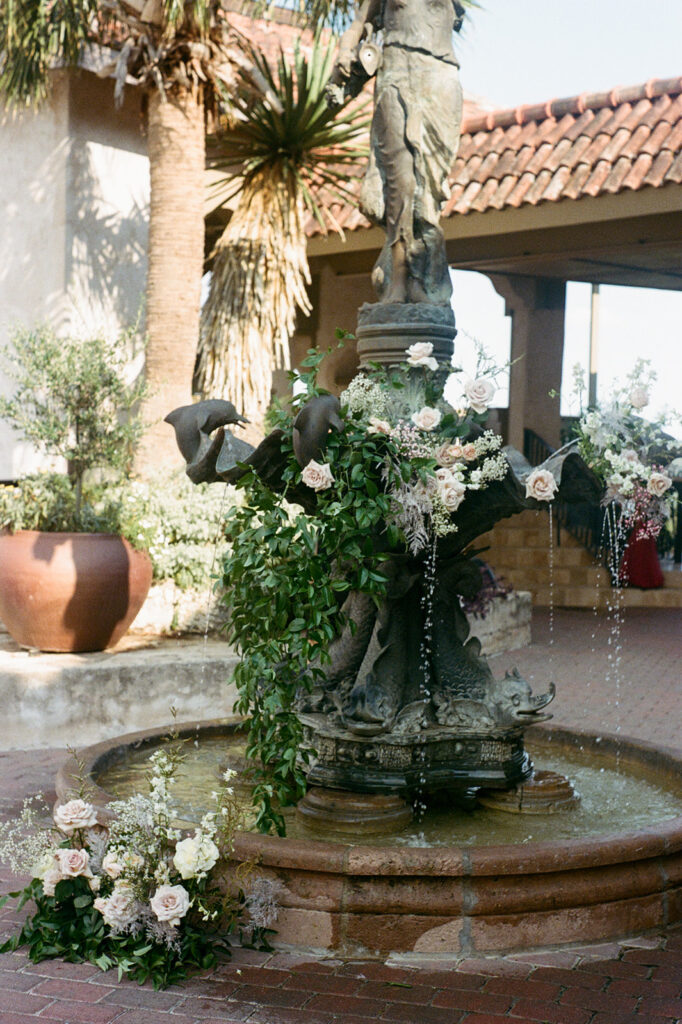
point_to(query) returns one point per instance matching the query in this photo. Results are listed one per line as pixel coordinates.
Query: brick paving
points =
(631, 686)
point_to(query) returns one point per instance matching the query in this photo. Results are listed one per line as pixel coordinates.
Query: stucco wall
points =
(73, 230)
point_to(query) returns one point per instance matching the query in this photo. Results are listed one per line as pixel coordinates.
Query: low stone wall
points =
(51, 700)
(506, 627)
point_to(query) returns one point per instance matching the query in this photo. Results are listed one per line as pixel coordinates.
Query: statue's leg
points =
(396, 161)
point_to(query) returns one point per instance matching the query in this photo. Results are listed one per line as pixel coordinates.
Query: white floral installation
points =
(163, 903)
(630, 454)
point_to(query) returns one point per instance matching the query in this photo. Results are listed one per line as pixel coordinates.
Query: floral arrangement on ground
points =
(125, 888)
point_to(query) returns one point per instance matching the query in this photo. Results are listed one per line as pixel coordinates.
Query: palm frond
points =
(283, 156)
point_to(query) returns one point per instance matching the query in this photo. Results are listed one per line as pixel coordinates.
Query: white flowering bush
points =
(630, 455)
(128, 890)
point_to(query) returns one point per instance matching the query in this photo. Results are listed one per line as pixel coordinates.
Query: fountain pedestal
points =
(385, 330)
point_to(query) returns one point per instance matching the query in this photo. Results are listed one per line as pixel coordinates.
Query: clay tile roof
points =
(589, 145)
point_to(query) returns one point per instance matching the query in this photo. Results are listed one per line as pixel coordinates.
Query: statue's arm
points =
(369, 13)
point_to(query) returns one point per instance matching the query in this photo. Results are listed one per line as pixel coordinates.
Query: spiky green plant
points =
(290, 157)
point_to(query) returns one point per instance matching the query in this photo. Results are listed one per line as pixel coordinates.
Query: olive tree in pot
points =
(73, 569)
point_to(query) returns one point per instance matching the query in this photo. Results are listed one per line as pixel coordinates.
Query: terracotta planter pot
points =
(70, 591)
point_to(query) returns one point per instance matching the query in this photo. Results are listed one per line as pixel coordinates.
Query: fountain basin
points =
(464, 900)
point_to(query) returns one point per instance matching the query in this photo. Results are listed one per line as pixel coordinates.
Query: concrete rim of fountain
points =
(459, 901)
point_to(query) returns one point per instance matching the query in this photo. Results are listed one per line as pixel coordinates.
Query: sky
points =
(529, 51)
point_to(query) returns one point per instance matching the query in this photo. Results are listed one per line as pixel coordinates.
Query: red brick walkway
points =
(637, 981)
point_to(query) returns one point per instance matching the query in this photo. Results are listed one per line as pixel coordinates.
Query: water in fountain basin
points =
(612, 801)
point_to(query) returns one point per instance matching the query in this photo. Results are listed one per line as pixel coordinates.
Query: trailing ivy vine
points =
(286, 576)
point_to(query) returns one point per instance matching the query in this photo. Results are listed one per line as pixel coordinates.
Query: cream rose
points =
(73, 815)
(658, 484)
(195, 856)
(50, 880)
(427, 418)
(449, 454)
(119, 909)
(377, 426)
(111, 865)
(317, 475)
(73, 863)
(419, 354)
(170, 903)
(469, 452)
(479, 393)
(452, 493)
(541, 485)
(639, 397)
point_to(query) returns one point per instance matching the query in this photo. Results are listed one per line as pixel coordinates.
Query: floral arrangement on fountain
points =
(128, 890)
(630, 455)
(358, 506)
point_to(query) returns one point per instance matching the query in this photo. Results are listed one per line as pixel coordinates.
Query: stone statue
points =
(414, 136)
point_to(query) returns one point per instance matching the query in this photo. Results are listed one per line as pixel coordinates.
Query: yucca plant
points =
(288, 157)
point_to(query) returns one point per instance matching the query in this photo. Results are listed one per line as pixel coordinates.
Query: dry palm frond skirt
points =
(260, 273)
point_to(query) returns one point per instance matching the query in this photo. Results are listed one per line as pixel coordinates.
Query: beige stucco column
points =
(537, 309)
(335, 298)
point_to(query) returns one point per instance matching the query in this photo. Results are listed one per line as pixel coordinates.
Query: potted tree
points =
(73, 569)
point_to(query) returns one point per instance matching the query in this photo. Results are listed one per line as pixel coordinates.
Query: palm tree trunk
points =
(176, 255)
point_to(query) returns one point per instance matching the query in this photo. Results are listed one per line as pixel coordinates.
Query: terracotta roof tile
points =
(598, 121)
(522, 158)
(556, 186)
(675, 172)
(499, 200)
(637, 140)
(518, 194)
(618, 140)
(588, 145)
(659, 168)
(534, 194)
(541, 154)
(638, 171)
(600, 173)
(674, 140)
(657, 139)
(574, 188)
(483, 198)
(617, 175)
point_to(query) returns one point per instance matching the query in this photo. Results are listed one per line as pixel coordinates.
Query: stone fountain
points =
(408, 709)
(409, 706)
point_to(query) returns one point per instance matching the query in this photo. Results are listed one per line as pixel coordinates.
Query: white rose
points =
(639, 397)
(377, 426)
(74, 814)
(73, 863)
(479, 393)
(452, 493)
(195, 856)
(119, 909)
(541, 485)
(630, 456)
(170, 903)
(427, 418)
(419, 354)
(658, 484)
(111, 865)
(318, 476)
(444, 475)
(44, 865)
